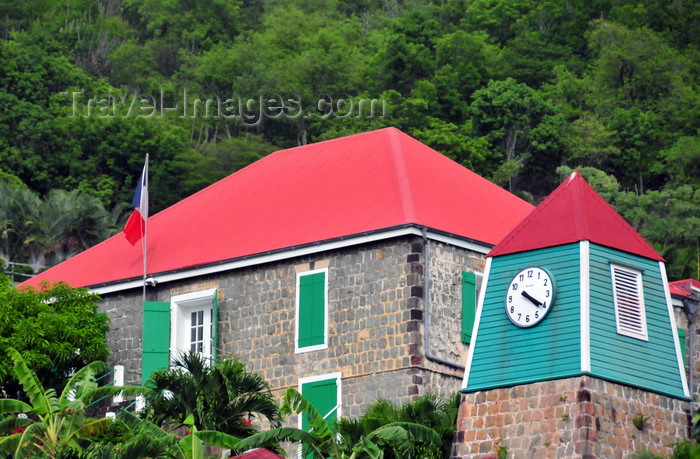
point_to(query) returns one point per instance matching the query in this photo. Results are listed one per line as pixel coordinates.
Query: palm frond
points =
(43, 402)
(220, 439)
(97, 427)
(294, 402)
(82, 383)
(32, 441)
(260, 439)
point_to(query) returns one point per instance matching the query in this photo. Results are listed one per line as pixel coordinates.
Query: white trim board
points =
(287, 254)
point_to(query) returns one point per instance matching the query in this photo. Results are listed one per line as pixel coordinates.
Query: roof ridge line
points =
(582, 223)
(401, 174)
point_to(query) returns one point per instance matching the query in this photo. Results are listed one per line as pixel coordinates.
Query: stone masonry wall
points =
(125, 311)
(579, 417)
(369, 327)
(376, 320)
(445, 321)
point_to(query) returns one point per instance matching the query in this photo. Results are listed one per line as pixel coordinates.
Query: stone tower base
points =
(580, 417)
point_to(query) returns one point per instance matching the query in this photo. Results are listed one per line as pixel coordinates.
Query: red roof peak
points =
(574, 212)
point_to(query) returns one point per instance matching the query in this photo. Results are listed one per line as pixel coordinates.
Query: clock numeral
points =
(537, 314)
(512, 309)
(510, 298)
(527, 318)
(519, 317)
(545, 282)
(547, 294)
(529, 273)
(522, 277)
(538, 274)
(515, 286)
(544, 305)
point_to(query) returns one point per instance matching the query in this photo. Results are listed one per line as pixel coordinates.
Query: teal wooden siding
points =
(155, 352)
(648, 364)
(505, 355)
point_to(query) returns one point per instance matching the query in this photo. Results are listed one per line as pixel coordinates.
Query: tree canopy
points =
(56, 329)
(511, 89)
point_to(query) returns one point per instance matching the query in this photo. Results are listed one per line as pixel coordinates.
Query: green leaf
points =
(33, 440)
(220, 439)
(9, 444)
(135, 423)
(43, 402)
(8, 405)
(292, 434)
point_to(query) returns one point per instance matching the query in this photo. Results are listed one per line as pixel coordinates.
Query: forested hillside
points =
(519, 91)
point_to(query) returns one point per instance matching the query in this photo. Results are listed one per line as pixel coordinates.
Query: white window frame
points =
(628, 295)
(181, 308)
(316, 347)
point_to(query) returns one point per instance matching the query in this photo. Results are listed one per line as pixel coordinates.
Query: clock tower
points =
(574, 351)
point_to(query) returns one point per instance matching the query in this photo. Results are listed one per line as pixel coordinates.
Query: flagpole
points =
(145, 232)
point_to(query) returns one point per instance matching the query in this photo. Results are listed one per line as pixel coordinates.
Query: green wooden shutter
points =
(312, 305)
(468, 305)
(214, 325)
(323, 395)
(681, 339)
(155, 352)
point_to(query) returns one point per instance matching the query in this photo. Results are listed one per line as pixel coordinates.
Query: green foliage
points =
(56, 329)
(46, 231)
(60, 419)
(321, 441)
(686, 449)
(222, 397)
(429, 411)
(511, 89)
(640, 421)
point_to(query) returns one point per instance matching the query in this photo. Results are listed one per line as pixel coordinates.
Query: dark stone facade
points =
(376, 320)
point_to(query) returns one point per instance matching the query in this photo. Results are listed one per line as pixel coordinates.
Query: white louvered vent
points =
(629, 302)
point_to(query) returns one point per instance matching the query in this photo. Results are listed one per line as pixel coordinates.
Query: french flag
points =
(136, 225)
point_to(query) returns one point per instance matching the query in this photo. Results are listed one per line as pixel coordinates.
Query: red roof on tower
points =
(297, 197)
(574, 212)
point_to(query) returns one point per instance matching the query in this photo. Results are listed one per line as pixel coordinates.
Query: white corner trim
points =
(674, 331)
(477, 320)
(585, 287)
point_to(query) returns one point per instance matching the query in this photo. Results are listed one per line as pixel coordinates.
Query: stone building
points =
(348, 269)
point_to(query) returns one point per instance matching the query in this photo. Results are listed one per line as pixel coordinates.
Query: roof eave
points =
(410, 229)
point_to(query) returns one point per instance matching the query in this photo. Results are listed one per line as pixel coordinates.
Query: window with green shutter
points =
(155, 353)
(323, 392)
(684, 353)
(468, 305)
(312, 310)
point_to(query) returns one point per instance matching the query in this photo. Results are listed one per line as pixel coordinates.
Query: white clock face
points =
(529, 297)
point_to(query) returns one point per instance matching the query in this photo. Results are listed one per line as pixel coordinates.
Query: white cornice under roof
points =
(155, 279)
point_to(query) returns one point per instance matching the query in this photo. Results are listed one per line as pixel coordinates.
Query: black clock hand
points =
(533, 300)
